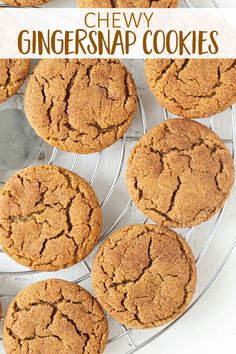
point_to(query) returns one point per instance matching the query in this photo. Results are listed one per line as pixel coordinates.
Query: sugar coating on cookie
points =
(81, 106)
(55, 316)
(25, 3)
(13, 73)
(144, 276)
(193, 88)
(180, 173)
(128, 3)
(49, 218)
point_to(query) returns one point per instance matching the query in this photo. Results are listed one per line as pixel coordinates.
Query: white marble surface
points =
(210, 326)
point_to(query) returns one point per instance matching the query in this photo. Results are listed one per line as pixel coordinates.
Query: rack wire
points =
(122, 334)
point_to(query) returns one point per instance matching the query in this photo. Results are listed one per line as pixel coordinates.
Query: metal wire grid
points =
(125, 331)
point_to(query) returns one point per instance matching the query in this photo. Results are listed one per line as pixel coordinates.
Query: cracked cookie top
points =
(180, 173)
(25, 3)
(144, 276)
(128, 3)
(49, 218)
(13, 73)
(81, 106)
(193, 88)
(54, 316)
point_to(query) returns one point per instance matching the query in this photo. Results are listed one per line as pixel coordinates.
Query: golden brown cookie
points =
(81, 106)
(49, 218)
(128, 3)
(193, 88)
(180, 173)
(25, 3)
(13, 73)
(52, 317)
(144, 276)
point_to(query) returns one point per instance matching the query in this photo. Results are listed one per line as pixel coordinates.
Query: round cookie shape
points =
(180, 173)
(144, 276)
(81, 106)
(193, 88)
(49, 218)
(13, 73)
(128, 3)
(55, 316)
(25, 3)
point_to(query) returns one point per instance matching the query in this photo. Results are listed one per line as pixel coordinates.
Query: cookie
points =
(193, 88)
(13, 73)
(180, 173)
(54, 316)
(81, 106)
(49, 218)
(25, 3)
(127, 3)
(144, 276)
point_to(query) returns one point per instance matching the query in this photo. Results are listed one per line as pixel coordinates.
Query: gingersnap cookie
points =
(128, 3)
(180, 173)
(55, 316)
(49, 218)
(81, 106)
(144, 276)
(193, 88)
(13, 73)
(25, 3)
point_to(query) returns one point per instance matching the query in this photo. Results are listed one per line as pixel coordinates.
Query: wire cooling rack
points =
(212, 242)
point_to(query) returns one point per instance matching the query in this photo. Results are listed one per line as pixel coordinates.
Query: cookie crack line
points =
(126, 282)
(150, 264)
(95, 332)
(32, 217)
(124, 290)
(25, 3)
(128, 4)
(180, 151)
(184, 102)
(79, 243)
(108, 115)
(13, 73)
(174, 195)
(214, 149)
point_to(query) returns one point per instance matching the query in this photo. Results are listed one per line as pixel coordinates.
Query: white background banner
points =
(119, 33)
